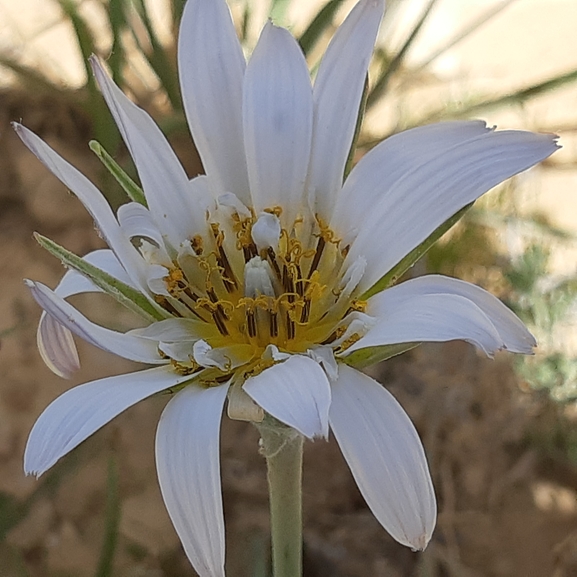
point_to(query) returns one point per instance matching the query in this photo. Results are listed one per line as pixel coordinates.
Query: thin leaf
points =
(110, 542)
(382, 83)
(158, 59)
(117, 22)
(318, 25)
(465, 33)
(362, 358)
(133, 191)
(124, 294)
(360, 117)
(408, 261)
(518, 97)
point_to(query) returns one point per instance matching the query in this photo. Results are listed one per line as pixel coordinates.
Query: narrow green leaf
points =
(360, 117)
(158, 59)
(110, 542)
(517, 97)
(117, 23)
(362, 358)
(96, 108)
(396, 62)
(133, 191)
(408, 261)
(318, 25)
(124, 294)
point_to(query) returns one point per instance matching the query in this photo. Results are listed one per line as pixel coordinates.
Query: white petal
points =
(211, 66)
(137, 221)
(124, 345)
(392, 159)
(429, 318)
(56, 347)
(266, 231)
(94, 202)
(325, 357)
(81, 411)
(187, 461)
(277, 114)
(175, 202)
(296, 392)
(513, 332)
(337, 96)
(432, 191)
(386, 457)
(55, 342)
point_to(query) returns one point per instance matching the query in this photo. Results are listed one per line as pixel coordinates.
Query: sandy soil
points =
(507, 498)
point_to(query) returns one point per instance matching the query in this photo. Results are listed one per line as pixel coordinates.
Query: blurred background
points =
(500, 434)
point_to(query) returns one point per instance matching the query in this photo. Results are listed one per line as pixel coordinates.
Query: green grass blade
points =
(113, 513)
(117, 22)
(318, 25)
(158, 58)
(358, 126)
(124, 294)
(396, 62)
(478, 23)
(133, 191)
(408, 261)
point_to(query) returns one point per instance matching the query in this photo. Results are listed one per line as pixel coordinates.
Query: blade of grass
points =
(318, 25)
(158, 58)
(465, 33)
(117, 22)
(518, 97)
(382, 83)
(362, 108)
(102, 125)
(113, 513)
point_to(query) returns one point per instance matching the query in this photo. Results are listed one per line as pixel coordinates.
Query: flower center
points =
(253, 283)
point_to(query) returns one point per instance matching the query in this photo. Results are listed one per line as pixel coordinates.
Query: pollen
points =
(281, 287)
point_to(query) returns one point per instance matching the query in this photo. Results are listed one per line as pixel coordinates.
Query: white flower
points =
(255, 277)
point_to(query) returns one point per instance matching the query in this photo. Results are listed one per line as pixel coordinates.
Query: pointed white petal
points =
(337, 96)
(94, 202)
(56, 347)
(386, 457)
(434, 190)
(137, 221)
(173, 201)
(211, 67)
(296, 392)
(277, 114)
(124, 345)
(429, 318)
(514, 334)
(392, 159)
(55, 342)
(81, 411)
(187, 461)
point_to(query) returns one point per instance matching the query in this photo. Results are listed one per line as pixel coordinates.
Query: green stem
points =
(283, 450)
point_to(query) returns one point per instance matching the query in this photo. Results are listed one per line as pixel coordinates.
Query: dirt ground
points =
(507, 491)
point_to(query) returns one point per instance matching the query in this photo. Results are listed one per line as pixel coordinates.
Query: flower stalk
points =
(283, 449)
